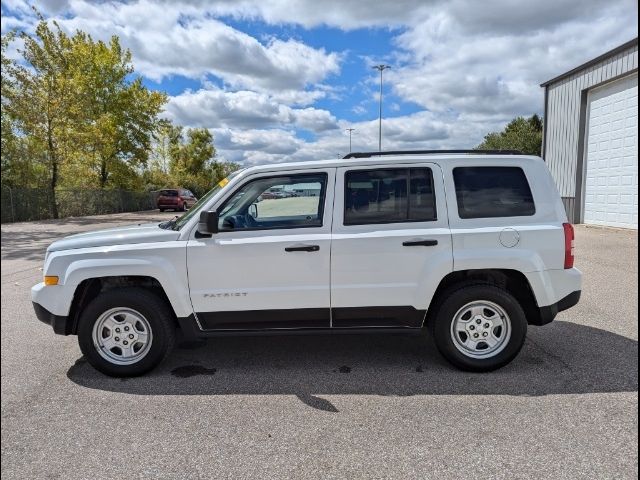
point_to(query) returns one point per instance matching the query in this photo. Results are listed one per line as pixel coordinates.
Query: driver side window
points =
(288, 201)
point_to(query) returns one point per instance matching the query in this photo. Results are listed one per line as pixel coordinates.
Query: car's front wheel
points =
(126, 332)
(479, 327)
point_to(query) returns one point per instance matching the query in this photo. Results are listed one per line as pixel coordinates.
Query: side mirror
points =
(253, 210)
(208, 223)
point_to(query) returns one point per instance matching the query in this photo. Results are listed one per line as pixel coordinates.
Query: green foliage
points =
(523, 134)
(120, 115)
(40, 101)
(75, 116)
(184, 158)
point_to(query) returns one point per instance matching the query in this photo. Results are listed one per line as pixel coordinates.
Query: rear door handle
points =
(302, 248)
(420, 243)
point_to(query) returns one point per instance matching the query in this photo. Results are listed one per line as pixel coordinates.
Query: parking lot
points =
(326, 406)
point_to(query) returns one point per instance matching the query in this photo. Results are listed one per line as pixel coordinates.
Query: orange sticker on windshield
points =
(223, 182)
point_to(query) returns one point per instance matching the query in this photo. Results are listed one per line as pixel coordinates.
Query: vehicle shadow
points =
(560, 358)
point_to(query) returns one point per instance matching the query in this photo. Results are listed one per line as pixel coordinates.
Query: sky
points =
(278, 80)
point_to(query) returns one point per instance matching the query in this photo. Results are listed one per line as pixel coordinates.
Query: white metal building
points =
(591, 138)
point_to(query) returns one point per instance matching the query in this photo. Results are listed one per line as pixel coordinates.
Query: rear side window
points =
(389, 195)
(489, 192)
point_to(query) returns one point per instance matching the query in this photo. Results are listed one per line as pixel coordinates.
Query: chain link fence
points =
(24, 204)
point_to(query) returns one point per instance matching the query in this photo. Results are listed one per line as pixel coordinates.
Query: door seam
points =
(333, 210)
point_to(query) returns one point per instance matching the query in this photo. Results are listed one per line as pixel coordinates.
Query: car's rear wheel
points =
(479, 327)
(126, 332)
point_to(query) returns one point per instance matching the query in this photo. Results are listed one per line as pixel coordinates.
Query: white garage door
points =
(611, 185)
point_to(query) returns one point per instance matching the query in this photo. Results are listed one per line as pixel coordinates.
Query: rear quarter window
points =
(389, 195)
(490, 192)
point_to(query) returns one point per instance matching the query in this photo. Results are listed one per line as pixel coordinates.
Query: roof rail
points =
(422, 152)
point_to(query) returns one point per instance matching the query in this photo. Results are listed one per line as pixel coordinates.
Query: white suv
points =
(473, 245)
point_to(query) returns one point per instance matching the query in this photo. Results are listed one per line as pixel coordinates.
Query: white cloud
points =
(470, 66)
(312, 13)
(13, 23)
(422, 130)
(215, 108)
(359, 110)
(275, 141)
(298, 97)
(173, 38)
(487, 58)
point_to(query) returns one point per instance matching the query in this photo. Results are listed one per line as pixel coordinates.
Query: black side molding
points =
(262, 319)
(362, 317)
(549, 312)
(351, 319)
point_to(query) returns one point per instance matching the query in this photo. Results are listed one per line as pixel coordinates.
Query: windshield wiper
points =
(169, 224)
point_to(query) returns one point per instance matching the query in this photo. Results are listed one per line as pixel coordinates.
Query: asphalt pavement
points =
(347, 406)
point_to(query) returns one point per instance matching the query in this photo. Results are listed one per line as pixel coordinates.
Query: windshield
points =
(178, 222)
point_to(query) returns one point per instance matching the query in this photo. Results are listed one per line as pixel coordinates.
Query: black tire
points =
(151, 307)
(161, 209)
(450, 304)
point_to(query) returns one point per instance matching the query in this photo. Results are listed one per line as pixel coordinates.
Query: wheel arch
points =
(513, 281)
(90, 288)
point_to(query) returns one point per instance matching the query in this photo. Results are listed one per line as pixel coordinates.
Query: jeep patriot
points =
(470, 246)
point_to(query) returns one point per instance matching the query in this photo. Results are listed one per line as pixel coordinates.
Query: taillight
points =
(569, 245)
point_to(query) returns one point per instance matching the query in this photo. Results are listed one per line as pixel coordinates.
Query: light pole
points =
(381, 68)
(350, 130)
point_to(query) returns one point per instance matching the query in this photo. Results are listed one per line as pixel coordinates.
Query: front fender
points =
(165, 263)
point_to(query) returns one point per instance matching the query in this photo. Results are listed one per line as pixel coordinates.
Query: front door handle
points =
(302, 248)
(420, 243)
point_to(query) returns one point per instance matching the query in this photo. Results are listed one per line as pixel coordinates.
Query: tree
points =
(16, 151)
(194, 155)
(520, 134)
(41, 102)
(73, 112)
(184, 158)
(166, 138)
(120, 114)
(192, 161)
(75, 115)
(9, 146)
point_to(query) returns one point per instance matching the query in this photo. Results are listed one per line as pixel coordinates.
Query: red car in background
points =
(177, 199)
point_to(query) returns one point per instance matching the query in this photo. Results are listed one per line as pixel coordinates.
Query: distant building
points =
(591, 138)
(304, 189)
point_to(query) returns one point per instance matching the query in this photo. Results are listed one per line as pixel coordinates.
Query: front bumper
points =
(61, 324)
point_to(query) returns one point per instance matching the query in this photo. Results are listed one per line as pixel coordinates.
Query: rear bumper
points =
(549, 312)
(60, 324)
